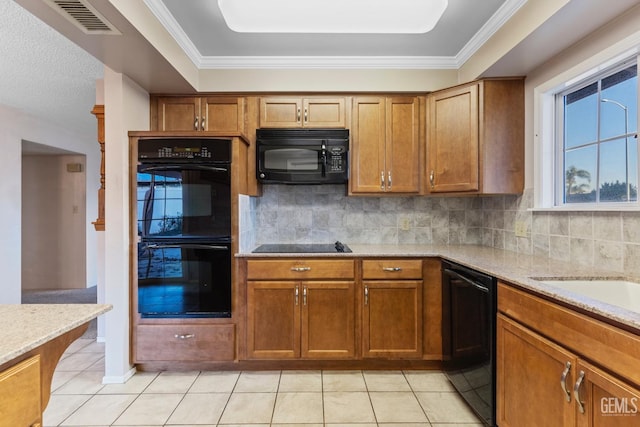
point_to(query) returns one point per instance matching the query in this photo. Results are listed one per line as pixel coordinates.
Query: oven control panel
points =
(203, 149)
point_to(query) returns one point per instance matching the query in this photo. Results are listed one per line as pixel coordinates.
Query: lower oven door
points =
(184, 279)
(469, 318)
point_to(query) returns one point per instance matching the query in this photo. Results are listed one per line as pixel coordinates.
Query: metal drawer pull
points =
(389, 180)
(184, 336)
(306, 115)
(382, 180)
(195, 124)
(576, 392)
(392, 268)
(304, 295)
(432, 179)
(300, 269)
(563, 381)
(366, 295)
(298, 116)
(202, 123)
(297, 293)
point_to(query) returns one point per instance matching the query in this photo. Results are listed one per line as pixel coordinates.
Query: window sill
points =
(587, 208)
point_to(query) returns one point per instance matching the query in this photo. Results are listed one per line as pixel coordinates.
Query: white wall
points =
(15, 127)
(126, 108)
(53, 212)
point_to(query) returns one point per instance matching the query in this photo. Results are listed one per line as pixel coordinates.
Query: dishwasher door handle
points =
(471, 282)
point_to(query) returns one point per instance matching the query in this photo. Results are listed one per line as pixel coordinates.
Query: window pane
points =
(619, 104)
(580, 175)
(613, 173)
(581, 116)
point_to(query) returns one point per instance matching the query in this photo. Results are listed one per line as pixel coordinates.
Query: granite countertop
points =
(519, 269)
(24, 327)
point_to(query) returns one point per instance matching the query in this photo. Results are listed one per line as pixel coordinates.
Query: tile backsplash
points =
(324, 214)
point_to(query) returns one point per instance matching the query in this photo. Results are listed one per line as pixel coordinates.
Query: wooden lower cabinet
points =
(392, 319)
(529, 369)
(542, 382)
(20, 404)
(310, 319)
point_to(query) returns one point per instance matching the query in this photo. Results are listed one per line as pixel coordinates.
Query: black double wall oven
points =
(184, 227)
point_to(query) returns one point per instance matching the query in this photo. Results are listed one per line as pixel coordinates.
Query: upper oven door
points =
(183, 201)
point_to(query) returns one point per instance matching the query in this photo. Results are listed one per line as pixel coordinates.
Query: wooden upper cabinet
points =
(222, 114)
(281, 112)
(193, 113)
(178, 113)
(385, 150)
(475, 138)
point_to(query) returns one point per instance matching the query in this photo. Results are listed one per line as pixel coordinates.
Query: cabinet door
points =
(323, 113)
(280, 112)
(392, 319)
(528, 379)
(179, 113)
(20, 394)
(403, 157)
(222, 114)
(368, 146)
(328, 320)
(605, 401)
(273, 320)
(453, 142)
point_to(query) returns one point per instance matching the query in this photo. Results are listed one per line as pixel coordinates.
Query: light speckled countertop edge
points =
(511, 267)
(25, 327)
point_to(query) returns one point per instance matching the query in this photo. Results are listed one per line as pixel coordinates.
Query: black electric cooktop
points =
(316, 248)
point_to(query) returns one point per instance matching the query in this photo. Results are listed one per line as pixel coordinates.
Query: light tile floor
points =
(249, 399)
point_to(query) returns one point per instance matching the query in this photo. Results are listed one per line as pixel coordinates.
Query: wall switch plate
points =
(521, 229)
(404, 224)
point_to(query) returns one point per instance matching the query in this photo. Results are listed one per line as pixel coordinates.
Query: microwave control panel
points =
(336, 161)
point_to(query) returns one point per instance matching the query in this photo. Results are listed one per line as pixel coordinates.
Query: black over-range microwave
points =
(302, 156)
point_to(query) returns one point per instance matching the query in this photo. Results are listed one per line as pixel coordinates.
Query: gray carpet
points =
(65, 296)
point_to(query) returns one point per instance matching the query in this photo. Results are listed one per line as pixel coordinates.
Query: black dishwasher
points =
(469, 306)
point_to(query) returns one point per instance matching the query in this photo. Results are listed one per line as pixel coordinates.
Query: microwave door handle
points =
(323, 156)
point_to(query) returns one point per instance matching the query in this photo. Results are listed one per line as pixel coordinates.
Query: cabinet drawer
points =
(303, 269)
(185, 342)
(392, 269)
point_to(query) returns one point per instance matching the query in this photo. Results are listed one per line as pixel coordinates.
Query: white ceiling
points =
(45, 74)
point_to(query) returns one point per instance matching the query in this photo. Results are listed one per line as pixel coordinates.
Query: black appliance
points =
(184, 227)
(469, 310)
(302, 156)
(317, 248)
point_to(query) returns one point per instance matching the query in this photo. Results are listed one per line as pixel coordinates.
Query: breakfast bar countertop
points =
(24, 327)
(524, 270)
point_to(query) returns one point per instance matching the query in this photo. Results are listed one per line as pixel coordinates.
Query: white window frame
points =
(547, 141)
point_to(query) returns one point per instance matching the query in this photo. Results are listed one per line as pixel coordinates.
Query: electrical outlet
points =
(521, 229)
(404, 224)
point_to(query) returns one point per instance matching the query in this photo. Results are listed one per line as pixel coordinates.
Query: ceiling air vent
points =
(84, 16)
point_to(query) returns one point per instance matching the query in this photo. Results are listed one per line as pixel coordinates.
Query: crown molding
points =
(164, 16)
(502, 15)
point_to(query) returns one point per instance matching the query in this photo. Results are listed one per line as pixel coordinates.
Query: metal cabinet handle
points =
(300, 269)
(432, 179)
(195, 124)
(366, 295)
(306, 115)
(563, 381)
(576, 392)
(391, 268)
(298, 116)
(184, 336)
(297, 295)
(382, 180)
(389, 180)
(202, 123)
(304, 295)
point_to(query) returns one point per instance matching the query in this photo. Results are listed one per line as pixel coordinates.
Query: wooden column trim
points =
(98, 111)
